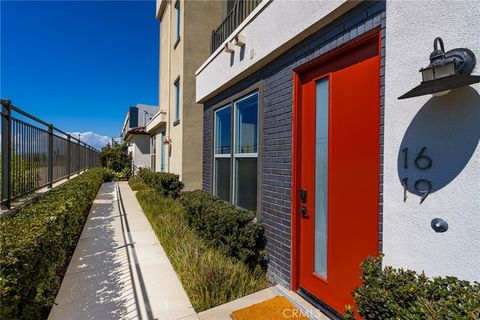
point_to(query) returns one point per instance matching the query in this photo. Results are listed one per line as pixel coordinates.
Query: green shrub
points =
(390, 293)
(226, 227)
(110, 175)
(37, 243)
(209, 277)
(116, 158)
(166, 183)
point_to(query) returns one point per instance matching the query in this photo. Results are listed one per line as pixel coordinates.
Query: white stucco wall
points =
(140, 149)
(448, 126)
(279, 25)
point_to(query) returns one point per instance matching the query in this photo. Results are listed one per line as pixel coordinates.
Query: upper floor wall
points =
(270, 29)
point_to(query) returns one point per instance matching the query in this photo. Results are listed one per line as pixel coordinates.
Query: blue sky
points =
(79, 65)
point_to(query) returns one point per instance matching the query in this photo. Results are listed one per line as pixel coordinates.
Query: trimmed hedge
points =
(232, 230)
(37, 243)
(166, 183)
(389, 293)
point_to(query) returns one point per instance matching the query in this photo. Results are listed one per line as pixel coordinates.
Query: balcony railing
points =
(241, 9)
(35, 154)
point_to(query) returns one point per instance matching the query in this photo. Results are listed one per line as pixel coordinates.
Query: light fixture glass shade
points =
(427, 74)
(444, 71)
(436, 72)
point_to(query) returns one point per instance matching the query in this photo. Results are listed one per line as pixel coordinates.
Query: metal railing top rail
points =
(33, 157)
(40, 121)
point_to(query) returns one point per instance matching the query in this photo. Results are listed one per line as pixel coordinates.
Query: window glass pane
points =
(321, 177)
(223, 131)
(177, 9)
(162, 152)
(246, 183)
(246, 118)
(222, 178)
(177, 100)
(152, 144)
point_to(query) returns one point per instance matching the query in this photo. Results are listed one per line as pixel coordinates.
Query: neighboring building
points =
(134, 134)
(185, 31)
(157, 131)
(302, 123)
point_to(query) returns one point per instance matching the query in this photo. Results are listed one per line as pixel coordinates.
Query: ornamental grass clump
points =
(209, 277)
(37, 243)
(137, 184)
(389, 293)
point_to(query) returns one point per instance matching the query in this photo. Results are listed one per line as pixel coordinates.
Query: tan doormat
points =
(272, 309)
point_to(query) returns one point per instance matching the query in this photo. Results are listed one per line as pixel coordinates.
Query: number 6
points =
(422, 158)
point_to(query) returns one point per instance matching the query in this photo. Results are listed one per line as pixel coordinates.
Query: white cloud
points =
(94, 139)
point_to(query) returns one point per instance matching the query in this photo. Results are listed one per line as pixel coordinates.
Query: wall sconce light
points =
(229, 47)
(167, 140)
(239, 40)
(447, 71)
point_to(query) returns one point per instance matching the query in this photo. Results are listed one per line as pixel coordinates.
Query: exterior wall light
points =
(447, 71)
(239, 40)
(229, 47)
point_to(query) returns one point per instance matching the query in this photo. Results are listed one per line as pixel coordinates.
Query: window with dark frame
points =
(235, 168)
(153, 146)
(163, 151)
(153, 151)
(177, 17)
(177, 99)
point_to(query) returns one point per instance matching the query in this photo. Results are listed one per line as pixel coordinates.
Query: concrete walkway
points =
(119, 270)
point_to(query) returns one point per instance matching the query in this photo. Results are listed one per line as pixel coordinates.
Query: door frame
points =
(352, 45)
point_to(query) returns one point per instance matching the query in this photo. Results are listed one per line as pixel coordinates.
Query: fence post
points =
(68, 156)
(6, 152)
(50, 156)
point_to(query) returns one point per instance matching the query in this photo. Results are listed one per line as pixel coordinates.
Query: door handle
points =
(303, 210)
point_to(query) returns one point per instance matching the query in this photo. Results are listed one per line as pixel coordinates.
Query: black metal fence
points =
(35, 154)
(241, 9)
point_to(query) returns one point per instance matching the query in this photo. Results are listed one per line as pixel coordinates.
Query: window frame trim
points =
(221, 155)
(176, 85)
(257, 87)
(177, 7)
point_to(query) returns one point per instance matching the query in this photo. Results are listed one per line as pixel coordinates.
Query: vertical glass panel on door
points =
(223, 125)
(222, 178)
(246, 183)
(246, 134)
(321, 178)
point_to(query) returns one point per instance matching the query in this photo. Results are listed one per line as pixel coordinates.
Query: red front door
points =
(337, 175)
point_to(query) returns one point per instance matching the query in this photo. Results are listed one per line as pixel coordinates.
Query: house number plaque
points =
(421, 162)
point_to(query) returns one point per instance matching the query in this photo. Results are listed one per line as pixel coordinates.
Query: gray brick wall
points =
(277, 127)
